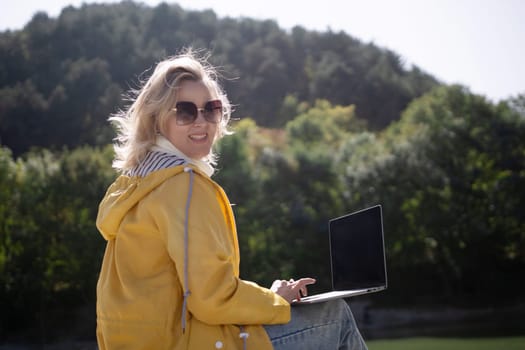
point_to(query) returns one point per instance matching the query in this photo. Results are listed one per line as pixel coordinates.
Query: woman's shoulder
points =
(177, 181)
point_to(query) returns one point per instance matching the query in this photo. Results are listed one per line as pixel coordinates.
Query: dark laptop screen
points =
(357, 250)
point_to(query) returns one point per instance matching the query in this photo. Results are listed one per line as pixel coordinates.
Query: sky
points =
(476, 43)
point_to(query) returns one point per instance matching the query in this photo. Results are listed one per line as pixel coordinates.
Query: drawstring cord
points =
(187, 292)
(244, 336)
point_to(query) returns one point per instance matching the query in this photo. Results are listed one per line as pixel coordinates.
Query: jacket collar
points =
(162, 144)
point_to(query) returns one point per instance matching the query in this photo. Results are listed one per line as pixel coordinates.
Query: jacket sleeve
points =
(218, 295)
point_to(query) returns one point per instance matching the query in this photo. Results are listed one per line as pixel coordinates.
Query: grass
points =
(506, 343)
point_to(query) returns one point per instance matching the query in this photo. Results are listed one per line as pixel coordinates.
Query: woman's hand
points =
(292, 290)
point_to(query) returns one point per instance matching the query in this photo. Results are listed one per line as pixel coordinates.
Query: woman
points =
(170, 274)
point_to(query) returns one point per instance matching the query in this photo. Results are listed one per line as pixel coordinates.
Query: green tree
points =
(22, 122)
(323, 125)
(79, 62)
(450, 177)
(49, 242)
(79, 106)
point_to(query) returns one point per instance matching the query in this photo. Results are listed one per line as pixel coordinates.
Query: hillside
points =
(71, 71)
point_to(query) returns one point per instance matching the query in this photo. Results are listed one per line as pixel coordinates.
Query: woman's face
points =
(196, 139)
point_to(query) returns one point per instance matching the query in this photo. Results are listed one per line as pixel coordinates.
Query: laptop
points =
(357, 256)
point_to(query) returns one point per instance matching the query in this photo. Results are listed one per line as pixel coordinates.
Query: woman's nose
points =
(200, 117)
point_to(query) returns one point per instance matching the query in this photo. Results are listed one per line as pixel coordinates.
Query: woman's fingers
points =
(299, 287)
(291, 289)
(303, 291)
(303, 282)
(307, 280)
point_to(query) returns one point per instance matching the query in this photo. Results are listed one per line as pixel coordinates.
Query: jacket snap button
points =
(218, 344)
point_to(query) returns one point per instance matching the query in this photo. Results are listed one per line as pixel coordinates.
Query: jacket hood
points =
(124, 194)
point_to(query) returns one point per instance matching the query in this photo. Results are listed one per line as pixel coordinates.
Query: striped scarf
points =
(165, 155)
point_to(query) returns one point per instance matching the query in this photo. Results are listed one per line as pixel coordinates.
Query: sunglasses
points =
(187, 112)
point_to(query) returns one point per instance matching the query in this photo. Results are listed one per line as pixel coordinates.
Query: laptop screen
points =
(357, 250)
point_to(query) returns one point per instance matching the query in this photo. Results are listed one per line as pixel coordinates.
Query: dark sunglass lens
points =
(186, 113)
(213, 111)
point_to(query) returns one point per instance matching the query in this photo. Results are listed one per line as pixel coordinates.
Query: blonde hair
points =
(147, 115)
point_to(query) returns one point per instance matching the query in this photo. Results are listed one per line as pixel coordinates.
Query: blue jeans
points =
(329, 325)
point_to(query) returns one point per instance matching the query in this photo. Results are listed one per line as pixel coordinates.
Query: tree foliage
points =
(70, 71)
(50, 251)
(329, 125)
(451, 179)
(449, 175)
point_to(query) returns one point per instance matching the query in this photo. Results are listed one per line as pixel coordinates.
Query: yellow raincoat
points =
(148, 266)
